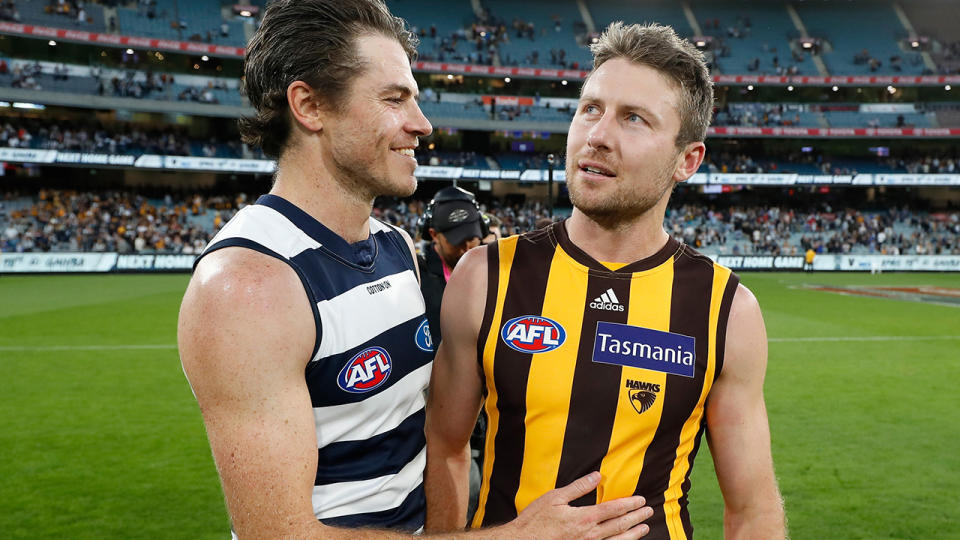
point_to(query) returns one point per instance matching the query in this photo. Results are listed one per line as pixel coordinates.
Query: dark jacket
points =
(432, 284)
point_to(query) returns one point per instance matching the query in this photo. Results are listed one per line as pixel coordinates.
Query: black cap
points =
(459, 221)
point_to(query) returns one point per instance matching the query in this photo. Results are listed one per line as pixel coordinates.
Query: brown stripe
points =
(511, 369)
(493, 277)
(596, 390)
(725, 305)
(689, 315)
(559, 230)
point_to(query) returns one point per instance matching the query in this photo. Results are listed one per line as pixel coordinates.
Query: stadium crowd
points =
(116, 138)
(785, 231)
(110, 221)
(130, 223)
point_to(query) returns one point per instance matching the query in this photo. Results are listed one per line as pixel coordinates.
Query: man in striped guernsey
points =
(601, 343)
(302, 331)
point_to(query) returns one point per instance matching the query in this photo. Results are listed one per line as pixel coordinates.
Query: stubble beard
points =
(622, 206)
(357, 174)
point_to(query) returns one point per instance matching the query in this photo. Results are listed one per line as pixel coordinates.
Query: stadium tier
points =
(753, 37)
(122, 222)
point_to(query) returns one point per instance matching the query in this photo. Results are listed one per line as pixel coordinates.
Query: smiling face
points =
(369, 141)
(622, 158)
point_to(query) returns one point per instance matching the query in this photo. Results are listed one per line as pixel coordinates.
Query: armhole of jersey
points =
(399, 242)
(725, 303)
(490, 304)
(250, 244)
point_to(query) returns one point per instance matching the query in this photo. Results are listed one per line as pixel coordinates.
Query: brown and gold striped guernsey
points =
(558, 409)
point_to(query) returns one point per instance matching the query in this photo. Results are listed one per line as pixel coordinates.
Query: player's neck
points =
(313, 190)
(625, 243)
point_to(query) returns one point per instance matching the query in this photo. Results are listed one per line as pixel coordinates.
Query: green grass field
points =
(102, 437)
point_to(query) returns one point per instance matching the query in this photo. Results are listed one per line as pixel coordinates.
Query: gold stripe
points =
(551, 381)
(650, 297)
(508, 248)
(691, 427)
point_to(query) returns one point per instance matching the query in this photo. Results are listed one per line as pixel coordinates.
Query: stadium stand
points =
(117, 139)
(72, 14)
(540, 35)
(450, 34)
(742, 38)
(180, 20)
(864, 38)
(751, 38)
(131, 223)
(867, 37)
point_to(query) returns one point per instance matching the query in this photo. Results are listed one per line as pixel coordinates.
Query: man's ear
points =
(433, 234)
(305, 106)
(689, 161)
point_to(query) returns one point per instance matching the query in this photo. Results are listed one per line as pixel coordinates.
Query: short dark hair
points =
(313, 41)
(662, 49)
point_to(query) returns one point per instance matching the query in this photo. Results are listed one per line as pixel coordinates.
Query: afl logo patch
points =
(366, 371)
(423, 339)
(533, 334)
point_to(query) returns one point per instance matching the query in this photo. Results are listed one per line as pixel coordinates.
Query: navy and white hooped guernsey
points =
(370, 365)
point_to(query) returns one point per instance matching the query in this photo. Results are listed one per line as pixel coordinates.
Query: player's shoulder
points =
(236, 278)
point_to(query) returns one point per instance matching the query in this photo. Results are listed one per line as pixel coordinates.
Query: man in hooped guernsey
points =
(600, 342)
(302, 331)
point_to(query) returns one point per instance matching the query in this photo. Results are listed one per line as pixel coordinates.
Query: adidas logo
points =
(607, 301)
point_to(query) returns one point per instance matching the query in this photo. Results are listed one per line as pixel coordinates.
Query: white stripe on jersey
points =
(378, 226)
(376, 414)
(357, 315)
(269, 228)
(374, 495)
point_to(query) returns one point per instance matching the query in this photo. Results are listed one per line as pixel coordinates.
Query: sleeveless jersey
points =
(590, 369)
(370, 365)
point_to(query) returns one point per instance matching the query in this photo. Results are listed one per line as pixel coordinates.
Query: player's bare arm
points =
(453, 403)
(452, 409)
(245, 335)
(738, 430)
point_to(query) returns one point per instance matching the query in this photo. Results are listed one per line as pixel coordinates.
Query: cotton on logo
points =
(533, 334)
(365, 371)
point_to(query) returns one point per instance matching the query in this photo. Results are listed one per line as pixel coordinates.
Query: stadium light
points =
(790, 88)
(52, 43)
(564, 82)
(947, 87)
(750, 87)
(205, 58)
(449, 77)
(891, 89)
(246, 13)
(129, 51)
(506, 79)
(915, 44)
(836, 88)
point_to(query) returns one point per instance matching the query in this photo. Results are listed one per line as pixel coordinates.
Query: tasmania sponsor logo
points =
(423, 338)
(642, 394)
(635, 346)
(533, 334)
(366, 371)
